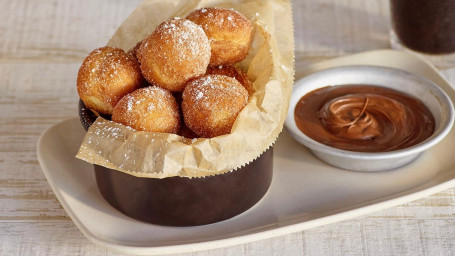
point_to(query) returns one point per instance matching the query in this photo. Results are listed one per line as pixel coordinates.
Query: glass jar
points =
(425, 27)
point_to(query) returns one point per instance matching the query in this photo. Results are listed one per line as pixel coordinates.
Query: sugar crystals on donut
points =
(105, 76)
(191, 59)
(211, 104)
(177, 51)
(150, 109)
(229, 31)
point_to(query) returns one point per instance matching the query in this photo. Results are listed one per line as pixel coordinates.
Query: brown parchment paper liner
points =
(270, 65)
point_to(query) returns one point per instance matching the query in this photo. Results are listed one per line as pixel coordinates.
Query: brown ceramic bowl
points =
(179, 201)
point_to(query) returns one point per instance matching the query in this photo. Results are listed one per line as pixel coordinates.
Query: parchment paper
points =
(270, 65)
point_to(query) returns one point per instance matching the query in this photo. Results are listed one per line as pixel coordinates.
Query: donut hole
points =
(211, 104)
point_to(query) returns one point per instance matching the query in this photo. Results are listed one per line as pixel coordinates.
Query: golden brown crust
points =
(105, 76)
(151, 109)
(233, 72)
(230, 33)
(211, 104)
(133, 51)
(177, 51)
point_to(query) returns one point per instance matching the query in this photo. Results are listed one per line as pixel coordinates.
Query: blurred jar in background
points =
(425, 27)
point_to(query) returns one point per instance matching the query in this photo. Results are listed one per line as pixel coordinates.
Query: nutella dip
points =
(426, 26)
(363, 118)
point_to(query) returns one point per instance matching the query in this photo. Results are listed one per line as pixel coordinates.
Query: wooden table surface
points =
(42, 44)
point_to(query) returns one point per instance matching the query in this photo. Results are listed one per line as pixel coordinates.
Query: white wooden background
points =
(42, 43)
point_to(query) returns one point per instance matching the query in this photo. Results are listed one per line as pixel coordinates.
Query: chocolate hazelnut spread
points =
(363, 118)
(425, 25)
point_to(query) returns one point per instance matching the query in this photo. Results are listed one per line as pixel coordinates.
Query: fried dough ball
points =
(177, 51)
(150, 109)
(229, 31)
(211, 104)
(233, 72)
(105, 76)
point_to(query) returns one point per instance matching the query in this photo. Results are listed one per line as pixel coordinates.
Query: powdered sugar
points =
(148, 109)
(184, 35)
(151, 96)
(199, 95)
(105, 76)
(175, 52)
(214, 88)
(211, 104)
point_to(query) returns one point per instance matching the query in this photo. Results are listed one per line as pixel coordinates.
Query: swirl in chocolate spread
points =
(363, 118)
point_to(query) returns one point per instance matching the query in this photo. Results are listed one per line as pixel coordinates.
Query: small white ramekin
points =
(429, 93)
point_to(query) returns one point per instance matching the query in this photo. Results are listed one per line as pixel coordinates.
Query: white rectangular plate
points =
(305, 192)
